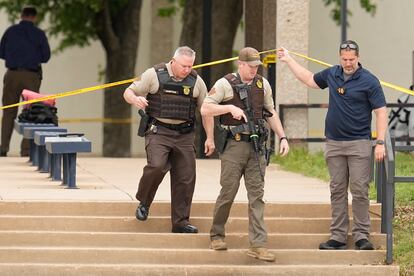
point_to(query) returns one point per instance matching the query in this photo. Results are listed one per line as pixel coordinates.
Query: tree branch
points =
(106, 33)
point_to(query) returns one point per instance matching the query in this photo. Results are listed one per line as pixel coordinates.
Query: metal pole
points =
(385, 205)
(379, 178)
(343, 19)
(390, 190)
(271, 77)
(413, 70)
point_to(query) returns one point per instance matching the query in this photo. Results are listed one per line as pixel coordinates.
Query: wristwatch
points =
(281, 138)
(379, 142)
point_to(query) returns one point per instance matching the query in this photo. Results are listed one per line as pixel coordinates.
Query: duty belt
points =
(173, 126)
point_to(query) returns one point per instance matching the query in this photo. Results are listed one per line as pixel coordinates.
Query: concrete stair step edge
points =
(76, 269)
(72, 255)
(163, 224)
(165, 240)
(122, 208)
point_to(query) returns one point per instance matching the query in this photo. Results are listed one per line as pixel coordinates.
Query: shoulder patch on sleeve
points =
(212, 91)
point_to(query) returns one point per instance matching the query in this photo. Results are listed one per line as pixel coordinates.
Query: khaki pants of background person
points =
(238, 160)
(168, 150)
(14, 82)
(349, 163)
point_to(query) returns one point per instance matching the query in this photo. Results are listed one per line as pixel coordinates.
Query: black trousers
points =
(168, 150)
(13, 84)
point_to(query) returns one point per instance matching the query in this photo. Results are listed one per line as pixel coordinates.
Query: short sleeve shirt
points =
(351, 102)
(222, 92)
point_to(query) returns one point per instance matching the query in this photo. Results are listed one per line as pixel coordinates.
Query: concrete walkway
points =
(103, 179)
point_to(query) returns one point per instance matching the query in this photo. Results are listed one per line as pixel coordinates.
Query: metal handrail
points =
(389, 194)
(385, 183)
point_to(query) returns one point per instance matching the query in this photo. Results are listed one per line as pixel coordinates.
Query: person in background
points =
(24, 47)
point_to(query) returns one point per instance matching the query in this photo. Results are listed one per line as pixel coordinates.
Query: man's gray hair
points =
(184, 51)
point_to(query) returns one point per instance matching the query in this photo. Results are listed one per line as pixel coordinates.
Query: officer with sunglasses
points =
(354, 93)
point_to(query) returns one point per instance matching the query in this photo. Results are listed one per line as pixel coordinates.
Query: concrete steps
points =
(161, 240)
(29, 269)
(104, 238)
(124, 255)
(200, 209)
(161, 224)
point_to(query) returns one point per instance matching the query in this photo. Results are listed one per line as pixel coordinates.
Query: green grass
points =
(302, 161)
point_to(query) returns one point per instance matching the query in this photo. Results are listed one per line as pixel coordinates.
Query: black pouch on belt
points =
(144, 122)
(222, 136)
(186, 128)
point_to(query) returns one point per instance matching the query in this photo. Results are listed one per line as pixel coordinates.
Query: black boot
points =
(186, 229)
(332, 245)
(142, 212)
(363, 244)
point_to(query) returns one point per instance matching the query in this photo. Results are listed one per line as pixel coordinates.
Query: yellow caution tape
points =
(397, 87)
(312, 59)
(270, 59)
(70, 93)
(386, 84)
(226, 60)
(103, 86)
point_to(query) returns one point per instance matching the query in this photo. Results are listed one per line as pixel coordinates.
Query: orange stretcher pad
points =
(30, 95)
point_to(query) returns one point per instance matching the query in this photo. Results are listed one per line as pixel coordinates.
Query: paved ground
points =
(101, 179)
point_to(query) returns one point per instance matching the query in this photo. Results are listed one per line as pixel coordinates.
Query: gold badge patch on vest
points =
(186, 89)
(341, 90)
(259, 84)
(237, 137)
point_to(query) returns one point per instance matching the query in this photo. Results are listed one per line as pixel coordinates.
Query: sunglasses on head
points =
(348, 45)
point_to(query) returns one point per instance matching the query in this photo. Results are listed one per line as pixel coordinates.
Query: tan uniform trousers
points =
(168, 150)
(239, 160)
(349, 165)
(14, 82)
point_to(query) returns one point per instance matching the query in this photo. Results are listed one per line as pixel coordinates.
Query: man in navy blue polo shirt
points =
(353, 94)
(23, 47)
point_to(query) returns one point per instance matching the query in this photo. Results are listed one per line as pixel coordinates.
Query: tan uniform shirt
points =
(148, 83)
(222, 92)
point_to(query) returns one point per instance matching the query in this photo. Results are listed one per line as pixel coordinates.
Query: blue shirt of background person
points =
(351, 102)
(24, 46)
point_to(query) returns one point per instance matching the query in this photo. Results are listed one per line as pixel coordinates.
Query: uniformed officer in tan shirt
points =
(239, 158)
(170, 94)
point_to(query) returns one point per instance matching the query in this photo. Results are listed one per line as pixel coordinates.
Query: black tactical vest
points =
(256, 98)
(174, 99)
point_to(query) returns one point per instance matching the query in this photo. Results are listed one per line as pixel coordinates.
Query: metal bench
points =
(65, 146)
(19, 127)
(28, 133)
(43, 155)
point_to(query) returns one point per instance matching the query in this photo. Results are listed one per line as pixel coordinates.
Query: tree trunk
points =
(119, 36)
(226, 16)
(191, 33)
(226, 20)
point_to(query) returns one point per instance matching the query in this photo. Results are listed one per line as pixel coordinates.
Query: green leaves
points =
(172, 9)
(74, 22)
(336, 10)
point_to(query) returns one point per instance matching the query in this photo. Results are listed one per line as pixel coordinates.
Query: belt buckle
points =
(237, 137)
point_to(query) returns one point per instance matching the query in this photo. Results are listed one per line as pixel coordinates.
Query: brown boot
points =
(218, 244)
(261, 253)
